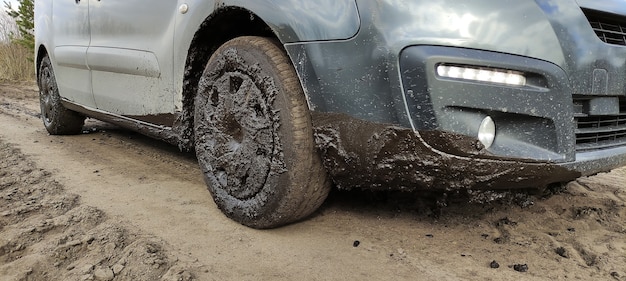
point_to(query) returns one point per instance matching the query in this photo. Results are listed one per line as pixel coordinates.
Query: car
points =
(280, 100)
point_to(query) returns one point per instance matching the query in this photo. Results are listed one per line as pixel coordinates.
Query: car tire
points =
(254, 138)
(57, 119)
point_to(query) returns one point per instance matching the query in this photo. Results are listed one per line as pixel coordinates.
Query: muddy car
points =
(282, 99)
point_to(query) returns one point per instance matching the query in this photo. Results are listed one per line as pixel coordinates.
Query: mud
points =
(145, 196)
(152, 130)
(236, 139)
(359, 154)
(198, 56)
(166, 119)
(47, 234)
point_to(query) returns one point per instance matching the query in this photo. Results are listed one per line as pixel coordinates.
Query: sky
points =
(14, 3)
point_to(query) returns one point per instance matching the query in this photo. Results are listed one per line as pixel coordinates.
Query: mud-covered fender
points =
(304, 20)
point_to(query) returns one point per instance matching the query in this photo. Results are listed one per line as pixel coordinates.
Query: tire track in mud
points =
(47, 234)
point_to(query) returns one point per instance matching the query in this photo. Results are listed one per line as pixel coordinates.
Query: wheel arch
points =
(224, 24)
(288, 21)
(41, 53)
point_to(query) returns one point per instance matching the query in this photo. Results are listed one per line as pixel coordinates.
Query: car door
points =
(130, 57)
(70, 24)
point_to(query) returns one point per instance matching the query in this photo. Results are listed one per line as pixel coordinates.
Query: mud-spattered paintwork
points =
(368, 65)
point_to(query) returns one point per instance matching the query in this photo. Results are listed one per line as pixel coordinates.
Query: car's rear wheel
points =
(253, 136)
(57, 119)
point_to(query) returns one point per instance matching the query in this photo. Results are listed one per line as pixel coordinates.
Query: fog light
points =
(487, 132)
(481, 74)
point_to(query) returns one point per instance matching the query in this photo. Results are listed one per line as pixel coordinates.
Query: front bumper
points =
(364, 155)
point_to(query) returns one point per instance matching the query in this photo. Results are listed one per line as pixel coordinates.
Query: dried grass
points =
(16, 63)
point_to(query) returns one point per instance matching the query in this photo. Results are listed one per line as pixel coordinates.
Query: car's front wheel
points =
(57, 119)
(253, 136)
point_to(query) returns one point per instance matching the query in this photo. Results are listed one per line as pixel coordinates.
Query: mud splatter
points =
(360, 154)
(237, 143)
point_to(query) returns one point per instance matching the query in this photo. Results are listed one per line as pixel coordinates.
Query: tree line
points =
(24, 18)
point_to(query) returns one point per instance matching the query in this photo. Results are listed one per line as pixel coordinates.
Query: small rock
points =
(87, 269)
(500, 240)
(505, 221)
(62, 240)
(151, 249)
(430, 235)
(356, 243)
(571, 229)
(494, 264)
(74, 243)
(561, 252)
(104, 274)
(520, 267)
(117, 268)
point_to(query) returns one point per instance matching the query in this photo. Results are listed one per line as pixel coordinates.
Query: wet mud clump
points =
(520, 267)
(365, 155)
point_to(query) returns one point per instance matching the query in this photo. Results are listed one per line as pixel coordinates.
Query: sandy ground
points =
(110, 204)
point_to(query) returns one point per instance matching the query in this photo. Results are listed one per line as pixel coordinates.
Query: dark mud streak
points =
(166, 119)
(183, 125)
(155, 131)
(360, 154)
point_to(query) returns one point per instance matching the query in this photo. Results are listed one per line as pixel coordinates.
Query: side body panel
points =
(68, 49)
(135, 70)
(130, 56)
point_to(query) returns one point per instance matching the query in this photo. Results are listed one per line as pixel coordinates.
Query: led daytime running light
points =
(491, 75)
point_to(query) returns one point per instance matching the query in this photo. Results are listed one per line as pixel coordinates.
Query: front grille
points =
(610, 28)
(597, 132)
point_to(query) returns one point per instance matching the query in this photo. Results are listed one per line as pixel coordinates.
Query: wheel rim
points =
(45, 96)
(241, 126)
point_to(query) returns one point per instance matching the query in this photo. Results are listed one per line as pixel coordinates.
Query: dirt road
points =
(110, 204)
